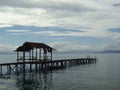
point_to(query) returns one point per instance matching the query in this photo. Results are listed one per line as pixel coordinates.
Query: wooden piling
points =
(30, 67)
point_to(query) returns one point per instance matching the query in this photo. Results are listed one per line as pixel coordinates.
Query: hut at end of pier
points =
(32, 51)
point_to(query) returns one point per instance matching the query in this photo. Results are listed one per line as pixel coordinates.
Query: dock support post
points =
(24, 63)
(36, 67)
(41, 66)
(1, 70)
(8, 69)
(17, 69)
(30, 67)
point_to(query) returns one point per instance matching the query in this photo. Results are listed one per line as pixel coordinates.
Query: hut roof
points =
(27, 46)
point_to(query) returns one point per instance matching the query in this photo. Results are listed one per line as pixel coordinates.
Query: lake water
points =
(104, 75)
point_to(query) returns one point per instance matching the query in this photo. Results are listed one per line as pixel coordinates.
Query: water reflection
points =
(34, 81)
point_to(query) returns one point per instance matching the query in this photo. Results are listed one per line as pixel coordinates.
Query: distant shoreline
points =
(7, 53)
(75, 52)
(93, 52)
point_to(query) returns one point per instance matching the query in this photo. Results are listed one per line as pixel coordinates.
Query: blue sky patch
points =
(115, 30)
(19, 34)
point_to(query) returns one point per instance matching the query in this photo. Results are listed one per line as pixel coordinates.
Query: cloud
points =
(116, 4)
(18, 31)
(112, 43)
(44, 31)
(3, 25)
(78, 18)
(61, 46)
(24, 17)
(57, 33)
(49, 4)
(6, 47)
(43, 13)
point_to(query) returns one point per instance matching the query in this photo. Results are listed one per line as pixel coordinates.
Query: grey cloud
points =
(55, 8)
(48, 4)
(116, 5)
(112, 44)
(12, 3)
(69, 46)
(56, 11)
(4, 47)
(67, 9)
(18, 3)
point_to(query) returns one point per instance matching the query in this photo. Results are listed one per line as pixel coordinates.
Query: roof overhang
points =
(27, 46)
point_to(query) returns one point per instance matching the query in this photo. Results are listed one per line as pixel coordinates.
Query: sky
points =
(65, 25)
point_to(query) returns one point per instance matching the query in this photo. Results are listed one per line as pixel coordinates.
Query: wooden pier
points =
(38, 56)
(43, 65)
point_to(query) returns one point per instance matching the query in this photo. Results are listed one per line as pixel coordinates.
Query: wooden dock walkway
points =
(38, 65)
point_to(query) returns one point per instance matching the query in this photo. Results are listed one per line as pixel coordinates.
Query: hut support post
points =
(39, 53)
(45, 54)
(29, 55)
(32, 55)
(36, 54)
(51, 55)
(17, 56)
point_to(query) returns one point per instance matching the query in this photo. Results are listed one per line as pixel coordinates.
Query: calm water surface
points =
(104, 75)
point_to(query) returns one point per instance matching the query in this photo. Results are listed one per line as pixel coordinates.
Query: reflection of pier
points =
(38, 56)
(34, 81)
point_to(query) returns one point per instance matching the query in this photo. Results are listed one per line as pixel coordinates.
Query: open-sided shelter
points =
(34, 51)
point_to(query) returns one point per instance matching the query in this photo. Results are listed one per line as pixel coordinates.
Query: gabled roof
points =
(27, 46)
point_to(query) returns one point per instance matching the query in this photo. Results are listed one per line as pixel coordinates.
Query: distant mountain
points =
(7, 52)
(111, 51)
(73, 51)
(91, 51)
